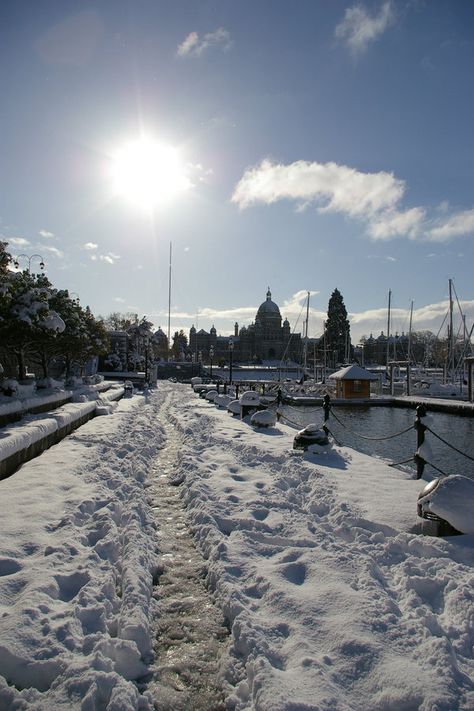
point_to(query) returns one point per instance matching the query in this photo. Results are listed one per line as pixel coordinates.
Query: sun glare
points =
(148, 173)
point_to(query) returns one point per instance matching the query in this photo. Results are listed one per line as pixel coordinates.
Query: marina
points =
(364, 423)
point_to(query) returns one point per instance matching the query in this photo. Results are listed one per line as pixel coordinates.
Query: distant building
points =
(265, 339)
(374, 350)
(353, 382)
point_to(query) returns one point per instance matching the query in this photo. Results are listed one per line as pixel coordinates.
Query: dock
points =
(455, 407)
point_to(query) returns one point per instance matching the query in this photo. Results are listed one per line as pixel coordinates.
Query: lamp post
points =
(29, 258)
(211, 356)
(146, 339)
(231, 354)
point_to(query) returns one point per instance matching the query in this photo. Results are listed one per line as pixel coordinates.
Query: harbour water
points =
(383, 421)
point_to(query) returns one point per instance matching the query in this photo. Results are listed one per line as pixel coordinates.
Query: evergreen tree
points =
(337, 330)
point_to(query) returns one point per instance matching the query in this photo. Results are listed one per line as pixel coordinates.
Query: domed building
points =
(267, 339)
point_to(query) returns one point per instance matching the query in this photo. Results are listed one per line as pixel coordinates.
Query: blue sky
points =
(323, 144)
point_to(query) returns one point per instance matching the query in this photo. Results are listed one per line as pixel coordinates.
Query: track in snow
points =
(191, 634)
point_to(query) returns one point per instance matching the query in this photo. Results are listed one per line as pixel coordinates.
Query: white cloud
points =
(46, 234)
(372, 197)
(52, 250)
(393, 223)
(110, 257)
(90, 245)
(17, 241)
(458, 224)
(119, 300)
(194, 45)
(358, 28)
(340, 188)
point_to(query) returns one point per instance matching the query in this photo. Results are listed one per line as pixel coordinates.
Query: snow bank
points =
(77, 561)
(334, 600)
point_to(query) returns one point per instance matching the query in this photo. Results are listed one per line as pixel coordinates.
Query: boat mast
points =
(388, 328)
(451, 334)
(305, 349)
(409, 333)
(169, 303)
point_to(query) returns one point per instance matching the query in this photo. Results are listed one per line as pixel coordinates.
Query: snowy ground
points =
(334, 600)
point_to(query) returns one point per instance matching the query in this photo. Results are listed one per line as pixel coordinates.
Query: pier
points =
(455, 407)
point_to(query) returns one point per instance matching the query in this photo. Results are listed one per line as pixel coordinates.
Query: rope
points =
(450, 445)
(295, 424)
(437, 469)
(339, 444)
(397, 434)
(405, 461)
(293, 407)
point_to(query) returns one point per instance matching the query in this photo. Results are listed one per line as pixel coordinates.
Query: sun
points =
(148, 173)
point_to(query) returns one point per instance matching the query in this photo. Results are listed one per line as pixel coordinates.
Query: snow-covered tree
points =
(25, 314)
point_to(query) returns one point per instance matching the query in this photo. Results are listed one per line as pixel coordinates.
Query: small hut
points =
(353, 382)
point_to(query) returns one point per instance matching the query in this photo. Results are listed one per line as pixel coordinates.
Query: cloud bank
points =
(375, 198)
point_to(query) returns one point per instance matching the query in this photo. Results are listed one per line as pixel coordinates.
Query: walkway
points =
(191, 634)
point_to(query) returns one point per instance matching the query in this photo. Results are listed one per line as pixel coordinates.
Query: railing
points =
(421, 425)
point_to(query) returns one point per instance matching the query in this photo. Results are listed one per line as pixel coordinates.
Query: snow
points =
(14, 437)
(249, 397)
(263, 418)
(452, 500)
(334, 600)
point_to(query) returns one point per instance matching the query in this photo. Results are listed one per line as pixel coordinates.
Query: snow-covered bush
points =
(222, 400)
(234, 407)
(249, 397)
(50, 383)
(263, 418)
(74, 382)
(9, 386)
(211, 395)
(93, 379)
(25, 390)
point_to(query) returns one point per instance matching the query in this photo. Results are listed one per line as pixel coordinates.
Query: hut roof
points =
(353, 372)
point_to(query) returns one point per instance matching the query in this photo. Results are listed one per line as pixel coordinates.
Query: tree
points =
(25, 314)
(5, 258)
(180, 344)
(337, 330)
(83, 337)
(120, 322)
(140, 333)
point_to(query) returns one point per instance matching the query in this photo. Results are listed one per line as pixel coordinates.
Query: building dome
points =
(268, 307)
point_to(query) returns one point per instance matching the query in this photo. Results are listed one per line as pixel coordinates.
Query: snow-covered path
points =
(333, 600)
(190, 633)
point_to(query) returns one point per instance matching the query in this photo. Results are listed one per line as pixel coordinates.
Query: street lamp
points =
(231, 354)
(211, 356)
(29, 258)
